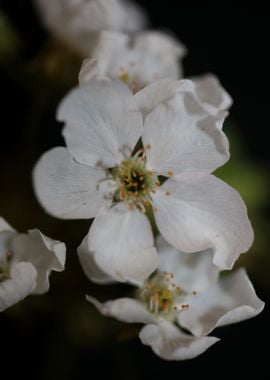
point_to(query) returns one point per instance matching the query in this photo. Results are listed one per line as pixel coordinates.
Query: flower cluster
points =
(142, 143)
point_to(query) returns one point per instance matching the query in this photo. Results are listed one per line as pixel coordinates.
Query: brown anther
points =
(194, 292)
(168, 193)
(170, 173)
(148, 146)
(153, 191)
(185, 306)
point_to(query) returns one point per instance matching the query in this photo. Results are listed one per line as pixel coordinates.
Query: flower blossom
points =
(184, 301)
(76, 21)
(117, 167)
(146, 58)
(137, 60)
(26, 261)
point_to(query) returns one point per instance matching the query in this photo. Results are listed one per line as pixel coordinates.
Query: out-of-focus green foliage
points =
(9, 40)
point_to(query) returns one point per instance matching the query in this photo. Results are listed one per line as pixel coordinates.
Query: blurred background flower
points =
(59, 335)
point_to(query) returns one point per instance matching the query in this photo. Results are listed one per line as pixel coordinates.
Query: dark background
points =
(38, 341)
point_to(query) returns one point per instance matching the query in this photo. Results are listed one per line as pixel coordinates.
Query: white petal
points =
(5, 226)
(199, 211)
(211, 93)
(19, 286)
(89, 70)
(90, 268)
(44, 253)
(208, 90)
(69, 190)
(232, 300)
(166, 48)
(183, 137)
(168, 342)
(160, 43)
(192, 272)
(102, 123)
(124, 309)
(157, 92)
(122, 244)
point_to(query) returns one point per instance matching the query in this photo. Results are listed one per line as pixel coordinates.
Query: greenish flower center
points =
(162, 296)
(5, 267)
(135, 182)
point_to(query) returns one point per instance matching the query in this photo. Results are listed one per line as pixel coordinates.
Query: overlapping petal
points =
(69, 190)
(76, 22)
(137, 60)
(232, 299)
(90, 268)
(208, 90)
(192, 272)
(102, 121)
(21, 283)
(182, 137)
(43, 253)
(122, 244)
(196, 211)
(213, 96)
(170, 343)
(124, 309)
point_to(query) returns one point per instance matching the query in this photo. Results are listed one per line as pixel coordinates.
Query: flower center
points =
(135, 182)
(129, 80)
(162, 296)
(5, 267)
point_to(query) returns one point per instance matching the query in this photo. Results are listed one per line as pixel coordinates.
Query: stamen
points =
(161, 295)
(135, 183)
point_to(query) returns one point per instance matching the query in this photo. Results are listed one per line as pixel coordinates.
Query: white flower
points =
(137, 60)
(76, 21)
(26, 261)
(100, 175)
(185, 293)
